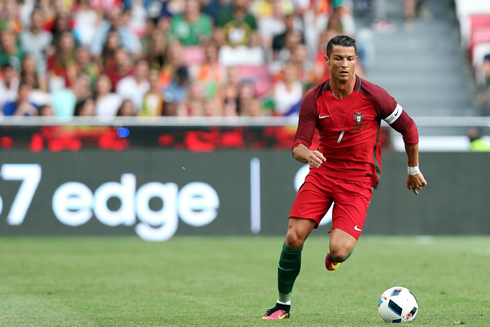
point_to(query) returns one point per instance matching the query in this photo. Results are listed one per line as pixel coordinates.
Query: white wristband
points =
(413, 170)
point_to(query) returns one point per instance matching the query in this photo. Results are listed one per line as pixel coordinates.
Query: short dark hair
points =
(343, 41)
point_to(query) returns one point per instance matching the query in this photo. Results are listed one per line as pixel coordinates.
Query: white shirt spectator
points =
(8, 94)
(108, 105)
(85, 26)
(241, 55)
(128, 88)
(36, 44)
(283, 99)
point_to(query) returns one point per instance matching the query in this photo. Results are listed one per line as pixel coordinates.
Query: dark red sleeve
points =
(407, 127)
(391, 112)
(307, 119)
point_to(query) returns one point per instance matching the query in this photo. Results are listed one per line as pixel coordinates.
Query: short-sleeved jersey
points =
(348, 128)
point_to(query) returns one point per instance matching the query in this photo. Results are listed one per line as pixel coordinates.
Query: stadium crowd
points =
(111, 58)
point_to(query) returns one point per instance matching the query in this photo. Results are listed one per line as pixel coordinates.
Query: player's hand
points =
(416, 182)
(316, 158)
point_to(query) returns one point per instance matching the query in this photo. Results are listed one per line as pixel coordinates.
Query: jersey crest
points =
(358, 117)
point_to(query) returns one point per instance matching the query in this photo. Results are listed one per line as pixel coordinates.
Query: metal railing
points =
(216, 121)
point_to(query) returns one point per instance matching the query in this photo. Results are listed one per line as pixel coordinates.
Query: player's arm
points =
(305, 132)
(404, 124)
(303, 154)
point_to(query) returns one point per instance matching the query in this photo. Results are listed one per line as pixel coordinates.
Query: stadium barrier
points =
(157, 194)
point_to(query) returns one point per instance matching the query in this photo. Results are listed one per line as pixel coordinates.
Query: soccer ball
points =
(398, 304)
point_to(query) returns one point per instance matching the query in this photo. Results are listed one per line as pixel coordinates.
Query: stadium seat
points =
(479, 35)
(479, 21)
(464, 9)
(193, 56)
(259, 75)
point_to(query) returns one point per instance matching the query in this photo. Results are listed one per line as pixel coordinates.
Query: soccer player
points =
(347, 111)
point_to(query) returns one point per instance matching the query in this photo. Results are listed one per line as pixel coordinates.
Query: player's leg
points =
(341, 247)
(308, 209)
(289, 266)
(349, 213)
(290, 260)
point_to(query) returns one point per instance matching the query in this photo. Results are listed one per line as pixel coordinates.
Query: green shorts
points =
(337, 3)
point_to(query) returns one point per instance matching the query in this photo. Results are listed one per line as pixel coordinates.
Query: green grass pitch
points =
(231, 281)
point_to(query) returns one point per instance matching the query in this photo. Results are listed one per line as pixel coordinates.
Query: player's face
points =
(342, 63)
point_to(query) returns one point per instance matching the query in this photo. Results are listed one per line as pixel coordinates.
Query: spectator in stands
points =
(106, 5)
(279, 41)
(304, 66)
(108, 55)
(129, 40)
(35, 40)
(172, 8)
(46, 111)
(147, 35)
(271, 18)
(289, 92)
(477, 144)
(176, 92)
(135, 86)
(153, 102)
(85, 108)
(29, 74)
(246, 93)
(174, 59)
(229, 108)
(86, 20)
(192, 27)
(484, 93)
(64, 101)
(106, 103)
(210, 72)
(61, 64)
(22, 106)
(123, 67)
(49, 10)
(380, 22)
(9, 20)
(412, 8)
(137, 15)
(237, 26)
(251, 108)
(10, 52)
(9, 84)
(212, 107)
(214, 7)
(62, 23)
(486, 70)
(126, 109)
(85, 65)
(195, 100)
(230, 89)
(292, 39)
(157, 49)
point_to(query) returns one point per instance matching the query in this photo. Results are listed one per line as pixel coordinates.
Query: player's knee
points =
(293, 240)
(340, 253)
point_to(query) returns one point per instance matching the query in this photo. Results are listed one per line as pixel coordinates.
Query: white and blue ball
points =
(398, 304)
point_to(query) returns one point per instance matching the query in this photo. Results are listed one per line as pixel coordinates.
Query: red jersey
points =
(349, 128)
